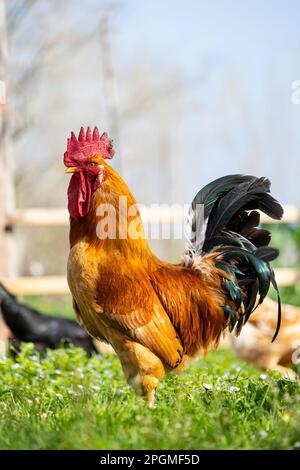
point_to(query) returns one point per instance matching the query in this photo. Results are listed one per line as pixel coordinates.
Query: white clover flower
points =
(208, 386)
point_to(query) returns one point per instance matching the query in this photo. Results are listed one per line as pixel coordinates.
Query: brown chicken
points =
(157, 315)
(254, 343)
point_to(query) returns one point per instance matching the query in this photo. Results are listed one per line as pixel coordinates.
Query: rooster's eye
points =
(92, 164)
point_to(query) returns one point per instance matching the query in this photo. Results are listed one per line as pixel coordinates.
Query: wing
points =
(130, 304)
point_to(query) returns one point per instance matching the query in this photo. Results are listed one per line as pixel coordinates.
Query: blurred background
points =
(189, 91)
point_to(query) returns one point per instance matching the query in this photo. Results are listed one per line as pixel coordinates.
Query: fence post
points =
(3, 47)
(7, 194)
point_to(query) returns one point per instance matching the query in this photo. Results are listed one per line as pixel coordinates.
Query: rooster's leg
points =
(141, 367)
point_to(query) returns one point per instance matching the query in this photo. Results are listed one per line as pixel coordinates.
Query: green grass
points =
(65, 401)
(288, 294)
(58, 306)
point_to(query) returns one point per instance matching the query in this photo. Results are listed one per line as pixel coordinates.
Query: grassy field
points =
(66, 401)
(63, 400)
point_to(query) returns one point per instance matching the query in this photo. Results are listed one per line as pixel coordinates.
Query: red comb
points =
(87, 145)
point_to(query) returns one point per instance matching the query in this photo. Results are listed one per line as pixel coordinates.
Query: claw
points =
(180, 352)
(179, 360)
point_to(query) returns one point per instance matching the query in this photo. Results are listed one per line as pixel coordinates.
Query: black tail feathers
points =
(224, 217)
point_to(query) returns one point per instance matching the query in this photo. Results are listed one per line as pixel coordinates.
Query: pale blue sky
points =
(258, 42)
(236, 61)
(184, 31)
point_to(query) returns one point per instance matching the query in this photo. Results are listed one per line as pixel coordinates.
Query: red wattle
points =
(79, 194)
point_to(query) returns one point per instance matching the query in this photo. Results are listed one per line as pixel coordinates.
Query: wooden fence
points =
(48, 285)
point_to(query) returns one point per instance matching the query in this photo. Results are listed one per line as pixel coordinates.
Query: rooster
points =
(156, 315)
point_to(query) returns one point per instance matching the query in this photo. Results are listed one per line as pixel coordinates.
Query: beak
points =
(71, 169)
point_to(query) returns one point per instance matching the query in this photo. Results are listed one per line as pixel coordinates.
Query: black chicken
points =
(45, 331)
